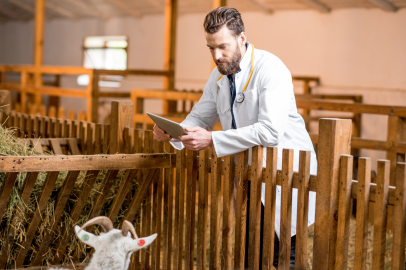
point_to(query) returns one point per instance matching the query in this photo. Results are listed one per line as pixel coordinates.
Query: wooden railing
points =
(31, 83)
(187, 198)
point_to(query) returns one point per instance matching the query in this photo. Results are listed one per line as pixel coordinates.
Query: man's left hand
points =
(197, 139)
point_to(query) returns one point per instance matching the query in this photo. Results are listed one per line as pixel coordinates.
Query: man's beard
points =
(231, 65)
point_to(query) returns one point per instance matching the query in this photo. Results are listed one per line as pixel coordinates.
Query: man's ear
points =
(86, 237)
(243, 38)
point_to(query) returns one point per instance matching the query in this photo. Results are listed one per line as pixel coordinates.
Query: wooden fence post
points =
(122, 116)
(5, 101)
(334, 141)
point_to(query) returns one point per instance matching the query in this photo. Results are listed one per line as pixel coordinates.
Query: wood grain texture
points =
(255, 207)
(334, 141)
(344, 208)
(215, 217)
(191, 179)
(380, 214)
(399, 218)
(203, 206)
(302, 210)
(122, 114)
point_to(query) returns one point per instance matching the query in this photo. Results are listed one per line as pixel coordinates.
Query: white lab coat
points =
(268, 116)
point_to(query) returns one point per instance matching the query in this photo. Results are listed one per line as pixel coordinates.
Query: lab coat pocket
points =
(225, 119)
(251, 103)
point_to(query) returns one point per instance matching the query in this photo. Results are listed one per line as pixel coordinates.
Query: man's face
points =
(225, 50)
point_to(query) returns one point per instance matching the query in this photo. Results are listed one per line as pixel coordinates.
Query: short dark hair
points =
(223, 16)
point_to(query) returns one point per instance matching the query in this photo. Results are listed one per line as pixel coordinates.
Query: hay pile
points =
(18, 215)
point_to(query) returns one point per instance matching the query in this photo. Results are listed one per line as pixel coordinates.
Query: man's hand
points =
(160, 135)
(197, 139)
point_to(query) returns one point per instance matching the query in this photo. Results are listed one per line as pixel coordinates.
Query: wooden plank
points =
(27, 189)
(167, 224)
(98, 141)
(73, 146)
(5, 191)
(215, 215)
(191, 167)
(334, 141)
(60, 203)
(90, 139)
(380, 215)
(399, 219)
(79, 162)
(203, 205)
(228, 213)
(56, 147)
(67, 127)
(171, 12)
(348, 107)
(5, 101)
(106, 185)
(158, 210)
(392, 137)
(33, 224)
(30, 126)
(123, 190)
(361, 229)
(147, 216)
(36, 144)
(106, 139)
(302, 210)
(58, 128)
(344, 212)
(241, 213)
(82, 136)
(122, 114)
(286, 209)
(75, 214)
(75, 129)
(179, 210)
(255, 207)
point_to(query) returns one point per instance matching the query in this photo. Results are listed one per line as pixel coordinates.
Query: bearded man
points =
(251, 91)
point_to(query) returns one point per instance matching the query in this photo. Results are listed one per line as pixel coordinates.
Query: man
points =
(251, 92)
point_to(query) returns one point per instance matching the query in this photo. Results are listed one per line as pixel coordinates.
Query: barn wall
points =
(353, 51)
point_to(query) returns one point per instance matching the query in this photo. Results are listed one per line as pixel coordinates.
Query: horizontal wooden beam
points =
(165, 94)
(348, 107)
(57, 70)
(89, 162)
(384, 5)
(134, 72)
(92, 9)
(316, 5)
(261, 5)
(125, 8)
(23, 5)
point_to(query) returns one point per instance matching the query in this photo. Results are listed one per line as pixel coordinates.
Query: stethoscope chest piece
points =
(240, 97)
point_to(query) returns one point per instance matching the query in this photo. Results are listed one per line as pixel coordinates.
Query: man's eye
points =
(222, 47)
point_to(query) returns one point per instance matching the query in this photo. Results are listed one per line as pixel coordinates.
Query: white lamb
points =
(114, 247)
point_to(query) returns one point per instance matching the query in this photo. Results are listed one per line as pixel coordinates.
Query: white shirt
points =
(268, 116)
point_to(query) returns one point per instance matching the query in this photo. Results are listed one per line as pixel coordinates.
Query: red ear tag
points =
(141, 242)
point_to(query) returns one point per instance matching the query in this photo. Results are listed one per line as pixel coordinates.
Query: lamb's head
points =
(114, 247)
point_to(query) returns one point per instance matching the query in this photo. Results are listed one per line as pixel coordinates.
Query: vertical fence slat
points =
(191, 177)
(399, 218)
(75, 129)
(48, 186)
(269, 209)
(380, 214)
(286, 209)
(80, 203)
(148, 148)
(255, 208)
(361, 229)
(215, 199)
(60, 203)
(90, 139)
(241, 209)
(58, 128)
(98, 140)
(344, 211)
(67, 128)
(228, 212)
(56, 147)
(36, 144)
(334, 141)
(38, 124)
(82, 137)
(106, 139)
(73, 146)
(302, 210)
(202, 209)
(105, 188)
(157, 212)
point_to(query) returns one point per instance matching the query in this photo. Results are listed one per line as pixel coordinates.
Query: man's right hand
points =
(160, 135)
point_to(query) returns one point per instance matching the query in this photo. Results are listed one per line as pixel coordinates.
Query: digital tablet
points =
(170, 127)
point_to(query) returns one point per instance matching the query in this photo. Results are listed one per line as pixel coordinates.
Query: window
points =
(105, 52)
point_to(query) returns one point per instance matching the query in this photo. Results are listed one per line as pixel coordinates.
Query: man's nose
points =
(217, 54)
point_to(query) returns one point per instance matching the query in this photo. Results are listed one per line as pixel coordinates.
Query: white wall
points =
(353, 51)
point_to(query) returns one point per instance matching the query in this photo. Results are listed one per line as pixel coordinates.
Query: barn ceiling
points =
(105, 9)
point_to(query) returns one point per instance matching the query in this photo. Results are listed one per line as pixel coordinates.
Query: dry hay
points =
(18, 215)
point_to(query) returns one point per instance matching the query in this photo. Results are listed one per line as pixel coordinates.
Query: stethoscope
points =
(240, 98)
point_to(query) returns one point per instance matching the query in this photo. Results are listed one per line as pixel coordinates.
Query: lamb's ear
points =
(143, 242)
(86, 237)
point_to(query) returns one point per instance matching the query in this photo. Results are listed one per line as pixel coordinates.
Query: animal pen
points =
(187, 198)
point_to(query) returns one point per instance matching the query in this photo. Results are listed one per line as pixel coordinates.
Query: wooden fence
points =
(187, 198)
(31, 83)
